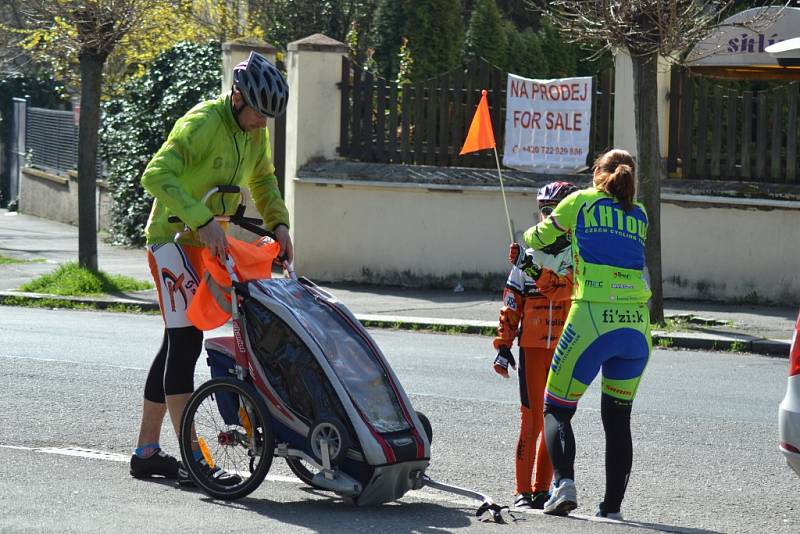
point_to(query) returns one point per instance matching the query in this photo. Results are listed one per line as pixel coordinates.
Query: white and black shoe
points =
(563, 498)
(215, 474)
(524, 501)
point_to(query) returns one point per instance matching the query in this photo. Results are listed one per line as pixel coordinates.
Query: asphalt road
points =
(705, 434)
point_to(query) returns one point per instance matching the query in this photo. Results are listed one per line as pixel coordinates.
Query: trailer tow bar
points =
(487, 503)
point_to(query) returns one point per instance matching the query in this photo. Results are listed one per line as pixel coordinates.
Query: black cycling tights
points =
(172, 370)
(560, 439)
(616, 416)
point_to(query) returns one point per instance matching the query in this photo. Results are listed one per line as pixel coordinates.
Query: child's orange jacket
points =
(536, 310)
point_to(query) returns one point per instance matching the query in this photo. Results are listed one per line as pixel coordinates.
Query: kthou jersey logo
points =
(605, 218)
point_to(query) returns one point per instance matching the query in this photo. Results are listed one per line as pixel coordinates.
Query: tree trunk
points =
(650, 169)
(91, 83)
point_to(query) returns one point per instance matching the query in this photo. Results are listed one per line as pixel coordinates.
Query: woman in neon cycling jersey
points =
(608, 326)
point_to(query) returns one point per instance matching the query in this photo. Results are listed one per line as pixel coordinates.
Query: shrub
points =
(137, 123)
(525, 56)
(387, 37)
(486, 37)
(435, 35)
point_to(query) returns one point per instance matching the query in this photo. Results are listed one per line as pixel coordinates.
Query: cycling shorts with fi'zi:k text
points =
(599, 335)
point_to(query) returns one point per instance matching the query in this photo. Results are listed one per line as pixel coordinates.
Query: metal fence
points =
(426, 123)
(51, 140)
(43, 138)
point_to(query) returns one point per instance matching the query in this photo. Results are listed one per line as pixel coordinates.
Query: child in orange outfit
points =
(535, 305)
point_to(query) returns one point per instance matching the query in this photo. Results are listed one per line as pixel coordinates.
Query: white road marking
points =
(83, 453)
(200, 372)
(92, 454)
(73, 362)
(15, 447)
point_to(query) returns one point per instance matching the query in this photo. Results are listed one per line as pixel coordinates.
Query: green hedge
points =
(137, 123)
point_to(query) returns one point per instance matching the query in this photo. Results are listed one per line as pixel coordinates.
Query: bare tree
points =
(90, 29)
(645, 29)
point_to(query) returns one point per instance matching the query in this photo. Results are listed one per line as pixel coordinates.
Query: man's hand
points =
(213, 237)
(503, 360)
(285, 240)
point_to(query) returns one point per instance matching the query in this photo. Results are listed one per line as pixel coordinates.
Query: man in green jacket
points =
(218, 142)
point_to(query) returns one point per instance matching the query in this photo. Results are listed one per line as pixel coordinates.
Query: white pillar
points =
(624, 125)
(313, 118)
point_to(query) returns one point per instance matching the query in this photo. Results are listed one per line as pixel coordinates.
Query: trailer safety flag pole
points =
(481, 137)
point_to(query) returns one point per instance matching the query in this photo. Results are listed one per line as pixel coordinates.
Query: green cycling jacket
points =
(207, 148)
(607, 246)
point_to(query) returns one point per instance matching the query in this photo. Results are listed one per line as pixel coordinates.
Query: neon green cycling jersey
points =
(607, 246)
(207, 148)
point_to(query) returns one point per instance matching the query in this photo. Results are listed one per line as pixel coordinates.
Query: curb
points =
(428, 324)
(13, 298)
(679, 340)
(660, 339)
(725, 343)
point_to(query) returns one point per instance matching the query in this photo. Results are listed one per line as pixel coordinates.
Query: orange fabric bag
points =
(211, 305)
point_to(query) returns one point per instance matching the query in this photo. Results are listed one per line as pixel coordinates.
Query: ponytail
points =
(615, 175)
(621, 185)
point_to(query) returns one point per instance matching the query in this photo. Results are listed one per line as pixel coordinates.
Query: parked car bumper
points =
(789, 423)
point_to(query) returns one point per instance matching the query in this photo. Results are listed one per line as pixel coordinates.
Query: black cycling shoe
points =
(538, 500)
(217, 475)
(158, 464)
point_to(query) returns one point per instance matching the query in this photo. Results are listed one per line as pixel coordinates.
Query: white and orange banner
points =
(547, 124)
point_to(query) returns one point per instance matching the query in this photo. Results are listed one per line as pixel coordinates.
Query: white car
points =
(789, 411)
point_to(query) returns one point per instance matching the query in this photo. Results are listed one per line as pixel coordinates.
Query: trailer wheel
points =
(333, 431)
(426, 424)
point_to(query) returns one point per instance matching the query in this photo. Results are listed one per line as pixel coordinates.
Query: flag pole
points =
(480, 137)
(503, 191)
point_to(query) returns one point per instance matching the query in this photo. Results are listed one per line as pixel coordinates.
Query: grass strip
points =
(70, 279)
(5, 260)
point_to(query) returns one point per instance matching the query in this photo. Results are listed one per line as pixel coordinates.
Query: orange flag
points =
(480, 134)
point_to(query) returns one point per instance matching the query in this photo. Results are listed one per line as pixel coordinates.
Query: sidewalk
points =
(704, 325)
